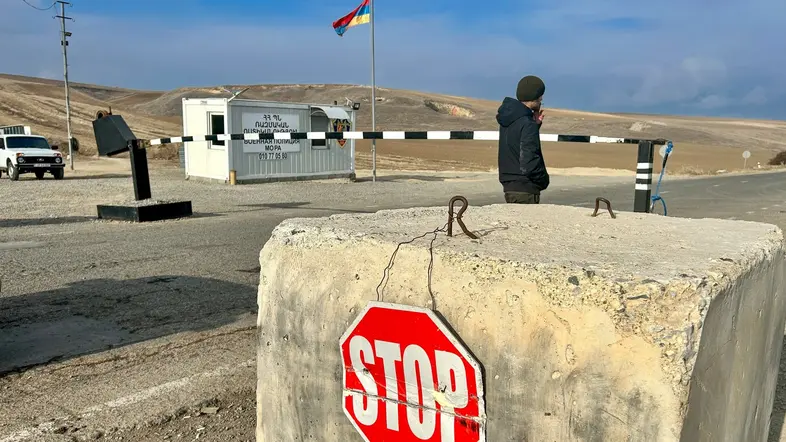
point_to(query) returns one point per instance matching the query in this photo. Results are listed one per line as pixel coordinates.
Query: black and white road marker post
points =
(644, 166)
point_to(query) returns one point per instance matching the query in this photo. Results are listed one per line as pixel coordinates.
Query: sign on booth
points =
(407, 378)
(265, 123)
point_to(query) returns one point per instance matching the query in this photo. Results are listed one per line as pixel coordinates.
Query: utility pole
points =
(64, 43)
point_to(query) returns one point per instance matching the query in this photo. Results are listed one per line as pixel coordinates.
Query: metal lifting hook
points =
(458, 216)
(608, 206)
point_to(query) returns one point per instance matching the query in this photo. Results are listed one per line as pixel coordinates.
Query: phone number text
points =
(263, 156)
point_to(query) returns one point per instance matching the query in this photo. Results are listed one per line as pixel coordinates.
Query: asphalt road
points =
(759, 197)
(109, 325)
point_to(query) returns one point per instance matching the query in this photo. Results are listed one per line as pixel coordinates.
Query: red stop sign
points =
(407, 378)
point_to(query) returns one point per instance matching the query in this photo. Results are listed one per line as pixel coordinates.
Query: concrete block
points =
(640, 328)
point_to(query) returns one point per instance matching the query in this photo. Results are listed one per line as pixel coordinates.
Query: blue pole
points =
(657, 197)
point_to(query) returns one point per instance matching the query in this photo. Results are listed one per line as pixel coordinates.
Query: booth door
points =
(208, 158)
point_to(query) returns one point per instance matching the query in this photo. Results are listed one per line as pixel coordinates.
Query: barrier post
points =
(113, 137)
(139, 171)
(644, 166)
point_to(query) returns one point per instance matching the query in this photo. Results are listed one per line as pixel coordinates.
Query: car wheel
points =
(13, 172)
(58, 173)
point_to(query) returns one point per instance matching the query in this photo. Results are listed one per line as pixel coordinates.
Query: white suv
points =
(29, 153)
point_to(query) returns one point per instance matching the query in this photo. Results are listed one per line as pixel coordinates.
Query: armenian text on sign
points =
(269, 122)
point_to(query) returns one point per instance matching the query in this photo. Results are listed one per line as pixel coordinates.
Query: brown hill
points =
(40, 103)
(151, 114)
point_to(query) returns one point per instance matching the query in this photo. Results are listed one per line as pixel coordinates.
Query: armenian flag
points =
(359, 16)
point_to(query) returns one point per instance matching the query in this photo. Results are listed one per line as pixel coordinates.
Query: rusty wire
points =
(451, 216)
(386, 272)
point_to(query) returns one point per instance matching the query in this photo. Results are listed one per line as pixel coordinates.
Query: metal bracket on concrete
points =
(608, 207)
(457, 216)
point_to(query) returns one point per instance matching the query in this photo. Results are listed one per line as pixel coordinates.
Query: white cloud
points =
(712, 102)
(49, 75)
(704, 70)
(757, 96)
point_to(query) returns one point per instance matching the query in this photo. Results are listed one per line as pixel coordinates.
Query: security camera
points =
(352, 103)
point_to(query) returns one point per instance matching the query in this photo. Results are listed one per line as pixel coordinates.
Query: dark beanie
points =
(530, 88)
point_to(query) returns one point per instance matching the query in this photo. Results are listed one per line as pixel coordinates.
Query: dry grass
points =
(691, 171)
(702, 145)
(779, 159)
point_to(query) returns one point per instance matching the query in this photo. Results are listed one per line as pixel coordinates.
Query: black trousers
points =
(522, 198)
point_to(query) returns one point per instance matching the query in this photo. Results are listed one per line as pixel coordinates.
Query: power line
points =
(40, 9)
(64, 42)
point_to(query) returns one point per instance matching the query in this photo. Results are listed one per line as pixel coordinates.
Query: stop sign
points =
(407, 378)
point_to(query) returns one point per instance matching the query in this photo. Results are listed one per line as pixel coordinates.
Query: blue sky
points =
(697, 57)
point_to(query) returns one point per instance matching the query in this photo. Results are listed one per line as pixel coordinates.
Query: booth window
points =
(319, 123)
(217, 127)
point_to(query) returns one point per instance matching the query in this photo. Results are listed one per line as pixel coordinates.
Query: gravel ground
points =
(229, 417)
(78, 196)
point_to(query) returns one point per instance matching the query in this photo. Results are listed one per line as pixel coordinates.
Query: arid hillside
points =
(40, 103)
(703, 143)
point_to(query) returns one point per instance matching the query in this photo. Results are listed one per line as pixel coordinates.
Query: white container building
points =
(266, 160)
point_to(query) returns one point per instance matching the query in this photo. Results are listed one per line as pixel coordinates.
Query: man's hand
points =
(539, 117)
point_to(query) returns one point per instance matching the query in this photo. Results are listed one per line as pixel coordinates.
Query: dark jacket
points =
(521, 165)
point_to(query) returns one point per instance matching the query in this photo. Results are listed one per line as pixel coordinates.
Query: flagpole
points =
(373, 100)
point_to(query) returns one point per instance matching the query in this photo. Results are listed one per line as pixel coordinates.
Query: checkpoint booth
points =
(266, 160)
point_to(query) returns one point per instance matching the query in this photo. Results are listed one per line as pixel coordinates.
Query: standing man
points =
(522, 171)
